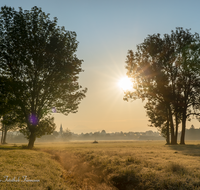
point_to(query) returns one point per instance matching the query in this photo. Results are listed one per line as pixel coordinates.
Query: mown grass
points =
(108, 165)
(17, 162)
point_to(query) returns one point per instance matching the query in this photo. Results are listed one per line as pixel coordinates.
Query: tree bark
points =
(183, 129)
(2, 137)
(173, 141)
(32, 139)
(2, 134)
(176, 135)
(5, 133)
(167, 139)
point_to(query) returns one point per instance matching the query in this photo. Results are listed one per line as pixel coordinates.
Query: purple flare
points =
(33, 119)
(54, 110)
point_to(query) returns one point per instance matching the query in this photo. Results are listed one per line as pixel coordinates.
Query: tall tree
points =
(9, 122)
(158, 114)
(39, 59)
(166, 71)
(8, 109)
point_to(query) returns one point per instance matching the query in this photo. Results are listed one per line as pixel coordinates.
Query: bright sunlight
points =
(125, 83)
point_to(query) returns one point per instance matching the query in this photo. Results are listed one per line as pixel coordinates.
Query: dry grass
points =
(128, 164)
(108, 165)
(16, 162)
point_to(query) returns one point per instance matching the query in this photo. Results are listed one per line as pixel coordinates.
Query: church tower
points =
(61, 129)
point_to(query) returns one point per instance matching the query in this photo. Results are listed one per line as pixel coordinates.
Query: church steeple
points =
(61, 129)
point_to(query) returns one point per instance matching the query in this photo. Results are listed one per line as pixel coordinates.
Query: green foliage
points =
(39, 62)
(46, 126)
(166, 72)
(8, 110)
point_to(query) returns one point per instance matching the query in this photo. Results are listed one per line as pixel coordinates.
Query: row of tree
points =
(165, 72)
(67, 135)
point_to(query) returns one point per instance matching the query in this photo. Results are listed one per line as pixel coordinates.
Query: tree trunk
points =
(2, 137)
(183, 129)
(176, 135)
(173, 141)
(2, 134)
(172, 133)
(5, 133)
(32, 138)
(167, 139)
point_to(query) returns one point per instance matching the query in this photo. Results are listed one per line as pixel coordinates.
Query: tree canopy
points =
(166, 70)
(39, 61)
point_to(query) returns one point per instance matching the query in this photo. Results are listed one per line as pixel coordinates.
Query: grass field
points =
(16, 163)
(107, 165)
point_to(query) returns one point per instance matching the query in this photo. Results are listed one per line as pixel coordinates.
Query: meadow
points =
(107, 165)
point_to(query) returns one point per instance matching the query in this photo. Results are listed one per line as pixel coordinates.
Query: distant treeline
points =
(148, 135)
(16, 137)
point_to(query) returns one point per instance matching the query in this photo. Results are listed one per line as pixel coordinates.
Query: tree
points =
(8, 109)
(56, 133)
(66, 134)
(8, 122)
(39, 59)
(159, 117)
(166, 71)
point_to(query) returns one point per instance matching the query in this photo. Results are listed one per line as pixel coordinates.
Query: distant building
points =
(103, 133)
(61, 130)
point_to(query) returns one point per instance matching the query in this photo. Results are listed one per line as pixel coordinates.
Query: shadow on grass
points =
(127, 179)
(13, 147)
(190, 149)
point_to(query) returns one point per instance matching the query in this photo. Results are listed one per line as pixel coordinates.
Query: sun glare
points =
(125, 83)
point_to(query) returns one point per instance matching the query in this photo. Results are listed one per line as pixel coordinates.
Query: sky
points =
(106, 30)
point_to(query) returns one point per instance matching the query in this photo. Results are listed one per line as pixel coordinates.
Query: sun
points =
(125, 83)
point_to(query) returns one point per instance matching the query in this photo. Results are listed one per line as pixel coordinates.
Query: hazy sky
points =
(106, 30)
